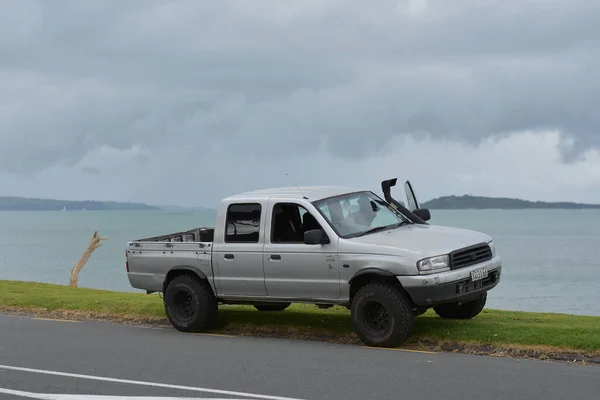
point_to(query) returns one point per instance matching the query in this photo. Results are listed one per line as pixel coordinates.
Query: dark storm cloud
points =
(255, 78)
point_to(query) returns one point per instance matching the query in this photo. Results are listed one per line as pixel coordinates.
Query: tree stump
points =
(94, 244)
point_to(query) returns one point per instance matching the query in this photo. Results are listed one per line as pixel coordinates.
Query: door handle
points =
(275, 257)
(228, 256)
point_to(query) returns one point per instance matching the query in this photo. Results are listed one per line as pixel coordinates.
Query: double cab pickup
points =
(327, 246)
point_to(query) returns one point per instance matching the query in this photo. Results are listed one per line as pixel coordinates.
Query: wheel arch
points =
(183, 270)
(373, 275)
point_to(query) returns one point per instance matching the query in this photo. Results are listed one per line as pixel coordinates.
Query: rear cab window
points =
(242, 224)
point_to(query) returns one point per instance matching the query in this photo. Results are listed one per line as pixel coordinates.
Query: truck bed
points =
(149, 259)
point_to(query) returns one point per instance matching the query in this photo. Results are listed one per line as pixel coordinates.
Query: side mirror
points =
(423, 213)
(315, 236)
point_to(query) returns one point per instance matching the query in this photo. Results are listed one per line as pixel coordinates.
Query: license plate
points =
(479, 274)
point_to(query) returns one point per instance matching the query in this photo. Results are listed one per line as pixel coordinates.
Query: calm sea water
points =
(551, 257)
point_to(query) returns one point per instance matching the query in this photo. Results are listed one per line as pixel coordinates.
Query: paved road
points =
(53, 357)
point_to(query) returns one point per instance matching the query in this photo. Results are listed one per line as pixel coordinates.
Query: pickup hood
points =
(415, 241)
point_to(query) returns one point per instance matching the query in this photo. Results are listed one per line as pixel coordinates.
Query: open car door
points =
(413, 204)
(411, 198)
(412, 209)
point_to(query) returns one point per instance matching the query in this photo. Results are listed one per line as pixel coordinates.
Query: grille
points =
(470, 256)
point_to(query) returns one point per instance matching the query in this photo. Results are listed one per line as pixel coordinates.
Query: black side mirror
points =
(315, 236)
(423, 213)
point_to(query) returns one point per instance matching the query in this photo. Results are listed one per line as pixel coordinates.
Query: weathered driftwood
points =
(94, 244)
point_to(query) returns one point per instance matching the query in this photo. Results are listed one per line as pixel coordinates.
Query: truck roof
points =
(312, 192)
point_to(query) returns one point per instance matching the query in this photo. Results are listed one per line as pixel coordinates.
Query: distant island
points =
(28, 204)
(467, 202)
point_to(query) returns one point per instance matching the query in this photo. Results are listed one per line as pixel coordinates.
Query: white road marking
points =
(49, 396)
(141, 383)
(54, 320)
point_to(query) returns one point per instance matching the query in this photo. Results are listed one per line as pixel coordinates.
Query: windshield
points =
(356, 214)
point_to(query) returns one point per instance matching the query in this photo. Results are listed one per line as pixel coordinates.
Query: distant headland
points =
(30, 204)
(467, 202)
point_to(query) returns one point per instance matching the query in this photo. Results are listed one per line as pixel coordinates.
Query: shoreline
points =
(498, 333)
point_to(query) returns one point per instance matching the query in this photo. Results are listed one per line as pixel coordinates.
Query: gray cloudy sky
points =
(183, 102)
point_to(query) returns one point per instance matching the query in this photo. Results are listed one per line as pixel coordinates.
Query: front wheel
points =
(462, 311)
(190, 303)
(381, 315)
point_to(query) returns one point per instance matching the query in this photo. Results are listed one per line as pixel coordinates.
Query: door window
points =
(243, 223)
(289, 223)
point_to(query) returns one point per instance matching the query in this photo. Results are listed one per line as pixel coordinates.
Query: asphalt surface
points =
(54, 357)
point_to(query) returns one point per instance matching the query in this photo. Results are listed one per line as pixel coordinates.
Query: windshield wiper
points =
(383, 228)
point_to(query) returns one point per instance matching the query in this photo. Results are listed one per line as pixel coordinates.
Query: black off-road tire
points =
(463, 311)
(272, 306)
(382, 315)
(190, 303)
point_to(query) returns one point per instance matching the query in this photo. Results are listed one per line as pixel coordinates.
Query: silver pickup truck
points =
(325, 246)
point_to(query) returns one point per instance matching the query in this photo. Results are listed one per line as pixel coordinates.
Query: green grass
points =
(504, 329)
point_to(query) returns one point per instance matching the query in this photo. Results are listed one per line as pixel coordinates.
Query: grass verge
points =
(494, 332)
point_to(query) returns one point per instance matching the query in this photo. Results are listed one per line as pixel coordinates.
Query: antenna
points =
(297, 187)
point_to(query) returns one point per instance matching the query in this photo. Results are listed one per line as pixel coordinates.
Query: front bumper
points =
(451, 286)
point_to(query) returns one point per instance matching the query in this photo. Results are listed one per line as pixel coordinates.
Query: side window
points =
(243, 223)
(289, 222)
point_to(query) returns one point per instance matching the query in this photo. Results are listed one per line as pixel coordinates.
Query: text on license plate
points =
(479, 274)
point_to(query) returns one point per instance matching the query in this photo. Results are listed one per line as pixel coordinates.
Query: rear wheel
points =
(381, 315)
(272, 306)
(190, 303)
(462, 311)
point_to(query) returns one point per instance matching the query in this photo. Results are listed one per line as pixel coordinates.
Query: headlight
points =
(492, 247)
(432, 263)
